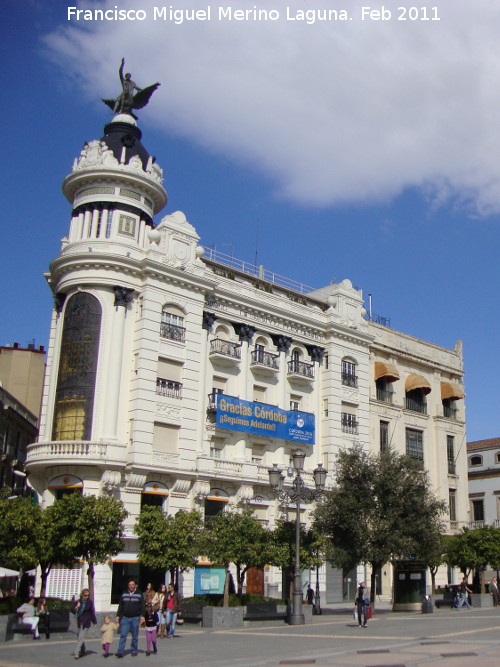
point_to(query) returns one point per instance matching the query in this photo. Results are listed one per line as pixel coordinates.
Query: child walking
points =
(151, 621)
(108, 633)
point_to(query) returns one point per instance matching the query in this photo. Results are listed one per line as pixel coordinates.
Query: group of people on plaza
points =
(36, 615)
(156, 611)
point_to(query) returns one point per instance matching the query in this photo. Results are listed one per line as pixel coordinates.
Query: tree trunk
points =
(45, 571)
(373, 584)
(433, 571)
(90, 574)
(226, 587)
(239, 579)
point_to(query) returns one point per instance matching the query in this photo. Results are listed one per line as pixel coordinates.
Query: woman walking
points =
(160, 607)
(172, 609)
(85, 617)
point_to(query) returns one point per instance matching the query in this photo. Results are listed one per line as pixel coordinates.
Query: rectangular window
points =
(259, 394)
(165, 438)
(349, 423)
(415, 444)
(477, 510)
(384, 436)
(294, 402)
(450, 454)
(453, 504)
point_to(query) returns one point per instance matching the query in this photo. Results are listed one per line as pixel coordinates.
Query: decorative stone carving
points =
(208, 320)
(200, 489)
(315, 352)
(245, 331)
(110, 481)
(134, 481)
(123, 296)
(244, 493)
(168, 411)
(95, 154)
(283, 343)
(180, 487)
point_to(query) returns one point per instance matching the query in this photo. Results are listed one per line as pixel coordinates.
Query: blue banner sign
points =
(235, 414)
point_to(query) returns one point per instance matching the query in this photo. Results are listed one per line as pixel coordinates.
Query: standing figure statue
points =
(126, 100)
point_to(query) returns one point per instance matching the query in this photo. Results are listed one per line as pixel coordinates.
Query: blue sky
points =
(365, 150)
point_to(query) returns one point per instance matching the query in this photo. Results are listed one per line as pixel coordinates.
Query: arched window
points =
(74, 400)
(476, 460)
(172, 323)
(65, 484)
(154, 494)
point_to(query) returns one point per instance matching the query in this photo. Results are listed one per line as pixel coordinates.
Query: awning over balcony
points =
(416, 381)
(385, 370)
(451, 390)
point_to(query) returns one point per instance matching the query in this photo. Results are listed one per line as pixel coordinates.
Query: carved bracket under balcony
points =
(244, 493)
(135, 482)
(208, 320)
(316, 352)
(200, 490)
(283, 343)
(180, 488)
(245, 331)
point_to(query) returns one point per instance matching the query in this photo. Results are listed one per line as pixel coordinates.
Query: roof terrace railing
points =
(256, 270)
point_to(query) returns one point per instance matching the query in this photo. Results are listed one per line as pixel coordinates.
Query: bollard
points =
(427, 607)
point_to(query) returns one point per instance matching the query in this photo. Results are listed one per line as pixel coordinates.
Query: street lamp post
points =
(296, 493)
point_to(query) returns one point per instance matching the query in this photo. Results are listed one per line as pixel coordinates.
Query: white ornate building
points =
(150, 330)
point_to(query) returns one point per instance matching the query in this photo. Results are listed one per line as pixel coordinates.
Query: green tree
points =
(239, 538)
(20, 532)
(474, 549)
(169, 542)
(312, 548)
(88, 527)
(381, 509)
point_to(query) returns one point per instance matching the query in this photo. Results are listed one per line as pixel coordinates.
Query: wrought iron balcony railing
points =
(263, 358)
(415, 405)
(296, 367)
(349, 379)
(225, 348)
(168, 388)
(173, 332)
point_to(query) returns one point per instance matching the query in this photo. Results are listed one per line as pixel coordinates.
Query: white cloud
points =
(332, 112)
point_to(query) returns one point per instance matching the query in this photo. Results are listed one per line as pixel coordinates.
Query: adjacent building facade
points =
(176, 375)
(484, 482)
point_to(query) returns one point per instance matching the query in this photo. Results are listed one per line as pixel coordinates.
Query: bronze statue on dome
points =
(126, 100)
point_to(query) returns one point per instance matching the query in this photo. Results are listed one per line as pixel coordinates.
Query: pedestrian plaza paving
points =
(456, 637)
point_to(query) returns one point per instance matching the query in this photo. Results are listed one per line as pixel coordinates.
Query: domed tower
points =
(115, 188)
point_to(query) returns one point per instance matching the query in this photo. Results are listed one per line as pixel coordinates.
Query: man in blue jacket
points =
(130, 616)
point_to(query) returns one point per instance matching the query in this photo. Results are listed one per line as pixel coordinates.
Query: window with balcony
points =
(415, 401)
(261, 357)
(349, 423)
(172, 324)
(349, 377)
(298, 367)
(384, 436)
(384, 389)
(450, 454)
(168, 388)
(225, 348)
(218, 387)
(415, 444)
(168, 378)
(416, 389)
(475, 461)
(449, 408)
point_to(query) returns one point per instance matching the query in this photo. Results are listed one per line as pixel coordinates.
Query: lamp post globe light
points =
(296, 493)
